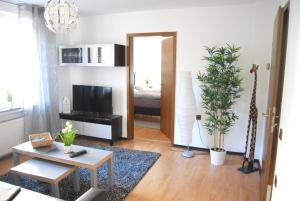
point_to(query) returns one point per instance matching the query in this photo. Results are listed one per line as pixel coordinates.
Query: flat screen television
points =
(92, 99)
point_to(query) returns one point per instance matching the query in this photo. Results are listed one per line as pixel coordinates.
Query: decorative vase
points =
(217, 157)
(67, 149)
(66, 108)
(186, 110)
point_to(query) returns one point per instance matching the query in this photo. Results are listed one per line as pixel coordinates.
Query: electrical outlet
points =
(198, 117)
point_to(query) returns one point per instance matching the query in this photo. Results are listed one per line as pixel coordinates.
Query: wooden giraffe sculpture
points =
(252, 122)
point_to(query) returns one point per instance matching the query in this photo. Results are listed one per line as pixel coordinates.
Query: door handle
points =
(267, 115)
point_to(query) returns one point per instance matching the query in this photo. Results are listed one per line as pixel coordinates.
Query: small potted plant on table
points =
(221, 87)
(67, 136)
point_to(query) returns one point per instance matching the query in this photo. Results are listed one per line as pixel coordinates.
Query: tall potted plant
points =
(221, 87)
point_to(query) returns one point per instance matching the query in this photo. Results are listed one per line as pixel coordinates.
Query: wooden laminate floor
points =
(174, 178)
(150, 134)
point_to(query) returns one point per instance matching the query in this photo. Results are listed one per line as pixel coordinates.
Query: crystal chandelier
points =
(61, 15)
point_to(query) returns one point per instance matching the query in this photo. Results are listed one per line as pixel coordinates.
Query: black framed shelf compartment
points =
(72, 55)
(105, 127)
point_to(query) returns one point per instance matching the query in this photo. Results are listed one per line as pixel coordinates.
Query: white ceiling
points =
(95, 7)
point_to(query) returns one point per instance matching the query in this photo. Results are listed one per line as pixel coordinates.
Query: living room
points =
(68, 79)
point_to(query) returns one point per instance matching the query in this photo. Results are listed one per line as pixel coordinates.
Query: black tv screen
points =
(92, 99)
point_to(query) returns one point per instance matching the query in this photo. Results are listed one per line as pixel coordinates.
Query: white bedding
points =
(147, 93)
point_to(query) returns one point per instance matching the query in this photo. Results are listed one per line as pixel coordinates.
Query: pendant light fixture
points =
(61, 15)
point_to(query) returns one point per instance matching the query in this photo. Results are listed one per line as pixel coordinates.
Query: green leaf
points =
(221, 86)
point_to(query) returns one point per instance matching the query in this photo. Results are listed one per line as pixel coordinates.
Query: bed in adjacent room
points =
(146, 101)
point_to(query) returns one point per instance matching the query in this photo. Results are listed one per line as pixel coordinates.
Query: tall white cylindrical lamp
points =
(186, 110)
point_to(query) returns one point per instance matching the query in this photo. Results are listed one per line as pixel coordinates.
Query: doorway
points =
(151, 60)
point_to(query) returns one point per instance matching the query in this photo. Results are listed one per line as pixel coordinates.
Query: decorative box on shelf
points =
(40, 139)
(66, 105)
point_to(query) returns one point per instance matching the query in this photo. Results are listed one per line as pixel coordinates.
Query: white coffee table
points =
(93, 159)
(26, 194)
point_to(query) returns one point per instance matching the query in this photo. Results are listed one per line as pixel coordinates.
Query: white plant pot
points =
(67, 149)
(217, 157)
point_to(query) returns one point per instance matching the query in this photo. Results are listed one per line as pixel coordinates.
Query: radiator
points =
(11, 134)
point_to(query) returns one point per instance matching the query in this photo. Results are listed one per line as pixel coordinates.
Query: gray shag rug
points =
(129, 168)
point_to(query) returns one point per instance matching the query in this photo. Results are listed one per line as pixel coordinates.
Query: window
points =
(10, 96)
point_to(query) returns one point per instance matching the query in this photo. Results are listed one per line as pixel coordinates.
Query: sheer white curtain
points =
(38, 61)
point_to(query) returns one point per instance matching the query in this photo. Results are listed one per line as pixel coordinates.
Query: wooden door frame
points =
(271, 149)
(130, 79)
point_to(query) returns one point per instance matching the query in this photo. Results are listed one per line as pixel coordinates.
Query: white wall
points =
(195, 27)
(262, 46)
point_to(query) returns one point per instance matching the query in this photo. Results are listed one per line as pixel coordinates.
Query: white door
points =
(287, 168)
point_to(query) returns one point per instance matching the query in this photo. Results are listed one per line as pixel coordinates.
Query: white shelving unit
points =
(108, 55)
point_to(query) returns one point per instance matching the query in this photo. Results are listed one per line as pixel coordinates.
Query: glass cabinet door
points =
(71, 55)
(94, 55)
